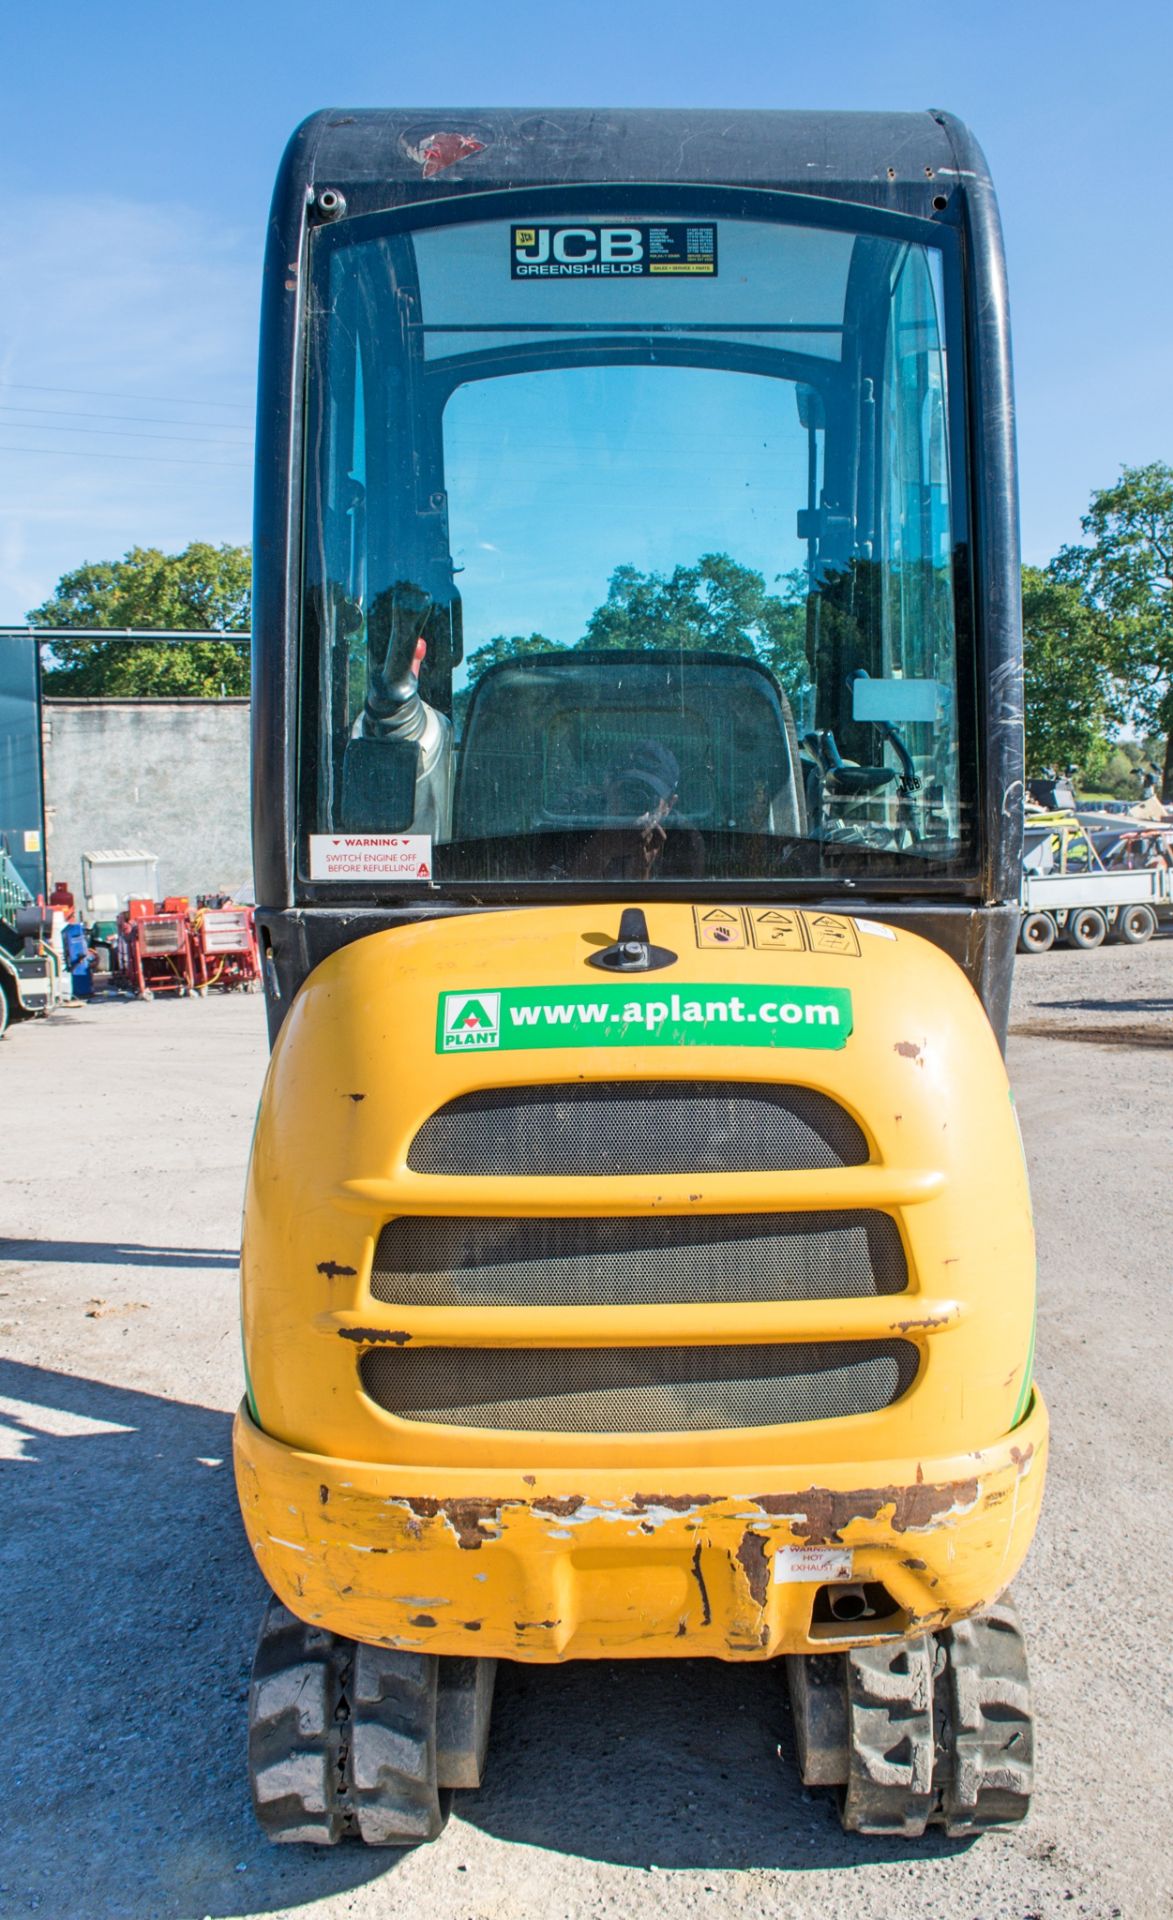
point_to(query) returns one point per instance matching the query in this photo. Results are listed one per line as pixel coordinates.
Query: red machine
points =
(224, 948)
(155, 948)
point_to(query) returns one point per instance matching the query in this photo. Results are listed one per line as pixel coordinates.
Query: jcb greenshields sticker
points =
(626, 1015)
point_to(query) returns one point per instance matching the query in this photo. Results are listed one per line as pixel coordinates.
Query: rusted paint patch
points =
(819, 1514)
(915, 1566)
(421, 1620)
(324, 1494)
(465, 1517)
(907, 1049)
(754, 1564)
(330, 1270)
(530, 1626)
(472, 1626)
(373, 1336)
(698, 1576)
(356, 1097)
(675, 1502)
(548, 1509)
(930, 1321)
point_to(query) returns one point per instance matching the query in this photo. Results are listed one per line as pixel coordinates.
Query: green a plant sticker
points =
(470, 1021)
(627, 1014)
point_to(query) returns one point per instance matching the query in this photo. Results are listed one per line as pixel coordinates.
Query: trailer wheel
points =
(1086, 928)
(1037, 933)
(1135, 925)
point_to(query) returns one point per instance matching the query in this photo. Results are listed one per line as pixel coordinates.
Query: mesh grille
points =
(159, 936)
(638, 1262)
(638, 1389)
(638, 1127)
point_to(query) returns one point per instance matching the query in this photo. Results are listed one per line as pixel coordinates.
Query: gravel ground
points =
(130, 1601)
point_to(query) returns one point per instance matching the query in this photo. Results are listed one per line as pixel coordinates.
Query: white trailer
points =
(1085, 908)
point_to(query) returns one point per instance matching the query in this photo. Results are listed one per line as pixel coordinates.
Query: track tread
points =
(890, 1719)
(342, 1738)
(391, 1763)
(987, 1723)
(295, 1720)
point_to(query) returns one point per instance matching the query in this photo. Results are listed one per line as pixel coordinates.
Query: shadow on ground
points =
(115, 1253)
(1155, 1003)
(1121, 1033)
(131, 1607)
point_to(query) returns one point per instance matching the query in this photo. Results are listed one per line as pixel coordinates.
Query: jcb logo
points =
(559, 252)
(471, 1021)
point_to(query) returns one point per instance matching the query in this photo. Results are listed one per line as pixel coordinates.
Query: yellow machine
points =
(638, 1257)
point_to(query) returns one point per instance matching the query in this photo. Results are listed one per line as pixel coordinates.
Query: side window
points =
(919, 641)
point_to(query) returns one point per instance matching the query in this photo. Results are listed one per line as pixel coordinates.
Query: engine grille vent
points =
(638, 1389)
(638, 1127)
(661, 1261)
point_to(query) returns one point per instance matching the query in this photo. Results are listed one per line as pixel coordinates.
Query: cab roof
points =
(897, 160)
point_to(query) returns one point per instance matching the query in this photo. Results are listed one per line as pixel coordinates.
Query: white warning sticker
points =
(370, 856)
(878, 928)
(812, 1563)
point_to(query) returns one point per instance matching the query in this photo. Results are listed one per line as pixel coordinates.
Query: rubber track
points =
(890, 1726)
(391, 1764)
(988, 1731)
(341, 1738)
(296, 1729)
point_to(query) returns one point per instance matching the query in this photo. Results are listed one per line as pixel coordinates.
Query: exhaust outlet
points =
(849, 1603)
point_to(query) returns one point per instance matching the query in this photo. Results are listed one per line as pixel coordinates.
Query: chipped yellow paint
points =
(538, 1572)
(565, 1545)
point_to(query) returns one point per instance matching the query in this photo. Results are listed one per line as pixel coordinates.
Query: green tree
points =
(203, 587)
(1068, 681)
(1116, 767)
(501, 647)
(716, 603)
(1126, 571)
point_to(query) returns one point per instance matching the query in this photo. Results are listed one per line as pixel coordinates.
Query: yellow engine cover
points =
(485, 1539)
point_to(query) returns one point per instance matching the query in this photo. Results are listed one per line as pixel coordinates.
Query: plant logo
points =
(471, 1020)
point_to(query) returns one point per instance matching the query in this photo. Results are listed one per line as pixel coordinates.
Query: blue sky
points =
(139, 144)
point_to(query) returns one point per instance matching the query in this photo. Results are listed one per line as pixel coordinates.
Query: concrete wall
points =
(167, 776)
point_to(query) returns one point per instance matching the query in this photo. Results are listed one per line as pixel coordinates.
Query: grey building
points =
(170, 776)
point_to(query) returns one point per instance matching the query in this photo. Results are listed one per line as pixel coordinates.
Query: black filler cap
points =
(633, 952)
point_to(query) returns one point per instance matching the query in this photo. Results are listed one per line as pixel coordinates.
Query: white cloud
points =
(146, 313)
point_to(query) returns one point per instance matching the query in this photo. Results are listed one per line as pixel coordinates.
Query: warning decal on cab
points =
(370, 856)
(777, 930)
(719, 926)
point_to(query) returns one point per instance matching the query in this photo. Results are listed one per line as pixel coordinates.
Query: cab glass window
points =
(634, 550)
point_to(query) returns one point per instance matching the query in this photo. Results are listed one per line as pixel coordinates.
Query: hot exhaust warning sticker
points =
(799, 1564)
(627, 1015)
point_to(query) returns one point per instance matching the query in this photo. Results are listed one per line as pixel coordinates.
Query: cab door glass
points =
(642, 572)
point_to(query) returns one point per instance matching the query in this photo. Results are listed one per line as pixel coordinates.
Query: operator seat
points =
(543, 733)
